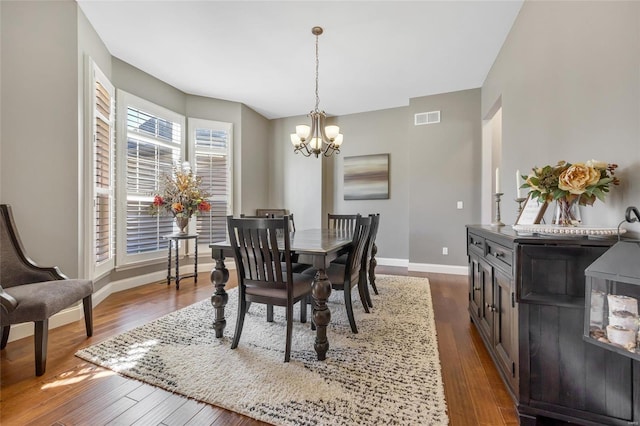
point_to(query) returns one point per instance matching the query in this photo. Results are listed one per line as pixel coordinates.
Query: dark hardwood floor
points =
(73, 391)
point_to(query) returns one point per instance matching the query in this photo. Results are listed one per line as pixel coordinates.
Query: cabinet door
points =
(486, 308)
(475, 288)
(505, 338)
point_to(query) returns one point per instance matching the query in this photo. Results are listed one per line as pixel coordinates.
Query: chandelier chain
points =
(317, 67)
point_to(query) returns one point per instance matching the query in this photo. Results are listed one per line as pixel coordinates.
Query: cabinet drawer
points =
(499, 256)
(476, 244)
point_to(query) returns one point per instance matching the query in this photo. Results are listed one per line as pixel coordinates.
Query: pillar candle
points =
(518, 184)
(497, 180)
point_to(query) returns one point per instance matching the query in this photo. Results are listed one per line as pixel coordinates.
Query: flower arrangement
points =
(581, 182)
(182, 196)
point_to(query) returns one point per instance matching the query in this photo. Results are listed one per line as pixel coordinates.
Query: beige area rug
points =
(388, 373)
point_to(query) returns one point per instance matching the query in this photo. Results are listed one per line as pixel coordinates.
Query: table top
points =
(309, 241)
(178, 236)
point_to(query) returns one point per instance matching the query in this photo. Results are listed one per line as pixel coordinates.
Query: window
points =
(102, 155)
(210, 145)
(154, 145)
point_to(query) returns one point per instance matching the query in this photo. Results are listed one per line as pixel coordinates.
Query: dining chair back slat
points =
(344, 222)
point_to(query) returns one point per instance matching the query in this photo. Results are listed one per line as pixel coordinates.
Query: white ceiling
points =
(373, 54)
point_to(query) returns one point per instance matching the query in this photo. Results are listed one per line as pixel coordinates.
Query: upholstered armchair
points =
(30, 293)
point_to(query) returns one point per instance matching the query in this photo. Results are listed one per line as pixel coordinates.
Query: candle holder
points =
(496, 221)
(520, 200)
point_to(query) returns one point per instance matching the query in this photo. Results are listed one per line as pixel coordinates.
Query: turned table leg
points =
(219, 299)
(321, 290)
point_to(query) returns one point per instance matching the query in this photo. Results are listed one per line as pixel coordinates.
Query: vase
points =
(182, 223)
(567, 212)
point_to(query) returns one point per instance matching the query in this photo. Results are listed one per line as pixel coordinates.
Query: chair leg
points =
(242, 309)
(362, 289)
(88, 315)
(287, 349)
(41, 338)
(5, 336)
(269, 313)
(303, 310)
(349, 305)
(372, 268)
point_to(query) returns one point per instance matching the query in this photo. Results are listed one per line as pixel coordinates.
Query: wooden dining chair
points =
(262, 277)
(345, 277)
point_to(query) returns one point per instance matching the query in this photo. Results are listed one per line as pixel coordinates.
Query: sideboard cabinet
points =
(526, 299)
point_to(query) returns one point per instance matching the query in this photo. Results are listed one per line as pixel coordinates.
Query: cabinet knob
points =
(477, 243)
(498, 254)
(476, 288)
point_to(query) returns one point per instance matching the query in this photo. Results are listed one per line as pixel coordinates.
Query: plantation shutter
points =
(152, 145)
(103, 172)
(211, 142)
(153, 148)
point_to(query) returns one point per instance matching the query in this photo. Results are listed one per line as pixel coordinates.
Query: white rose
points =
(597, 164)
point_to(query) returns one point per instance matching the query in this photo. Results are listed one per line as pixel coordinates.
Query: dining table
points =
(319, 245)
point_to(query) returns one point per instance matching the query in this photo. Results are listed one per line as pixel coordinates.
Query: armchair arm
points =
(9, 303)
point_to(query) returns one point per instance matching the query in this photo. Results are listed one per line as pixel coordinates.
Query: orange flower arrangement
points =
(182, 196)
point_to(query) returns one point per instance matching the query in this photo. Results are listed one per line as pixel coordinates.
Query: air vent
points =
(431, 117)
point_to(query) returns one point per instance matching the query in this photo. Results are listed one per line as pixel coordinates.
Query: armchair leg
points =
(5, 336)
(88, 315)
(41, 338)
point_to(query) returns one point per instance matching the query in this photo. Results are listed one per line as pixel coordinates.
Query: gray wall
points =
(295, 182)
(569, 77)
(255, 161)
(377, 132)
(41, 135)
(444, 164)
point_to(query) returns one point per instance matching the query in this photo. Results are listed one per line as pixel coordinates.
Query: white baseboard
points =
(439, 269)
(386, 261)
(424, 267)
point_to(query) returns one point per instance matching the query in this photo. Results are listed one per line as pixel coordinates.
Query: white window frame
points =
(199, 123)
(125, 100)
(93, 269)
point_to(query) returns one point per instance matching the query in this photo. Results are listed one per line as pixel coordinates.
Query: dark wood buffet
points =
(527, 301)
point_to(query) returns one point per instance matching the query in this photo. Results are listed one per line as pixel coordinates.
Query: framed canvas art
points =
(366, 177)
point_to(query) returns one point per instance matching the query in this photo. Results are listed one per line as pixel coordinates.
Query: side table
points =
(175, 239)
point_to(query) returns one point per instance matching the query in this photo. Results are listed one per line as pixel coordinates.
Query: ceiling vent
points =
(431, 117)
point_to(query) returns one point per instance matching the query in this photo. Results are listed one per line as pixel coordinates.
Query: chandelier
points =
(316, 139)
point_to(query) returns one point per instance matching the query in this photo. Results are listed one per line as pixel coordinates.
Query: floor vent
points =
(431, 117)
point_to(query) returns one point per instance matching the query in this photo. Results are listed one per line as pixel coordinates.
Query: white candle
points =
(518, 183)
(497, 180)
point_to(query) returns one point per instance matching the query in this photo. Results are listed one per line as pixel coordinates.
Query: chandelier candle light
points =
(317, 139)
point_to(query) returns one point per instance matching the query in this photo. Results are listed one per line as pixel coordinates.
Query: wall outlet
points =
(460, 205)
(445, 251)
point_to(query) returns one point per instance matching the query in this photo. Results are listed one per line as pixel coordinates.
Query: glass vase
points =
(567, 212)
